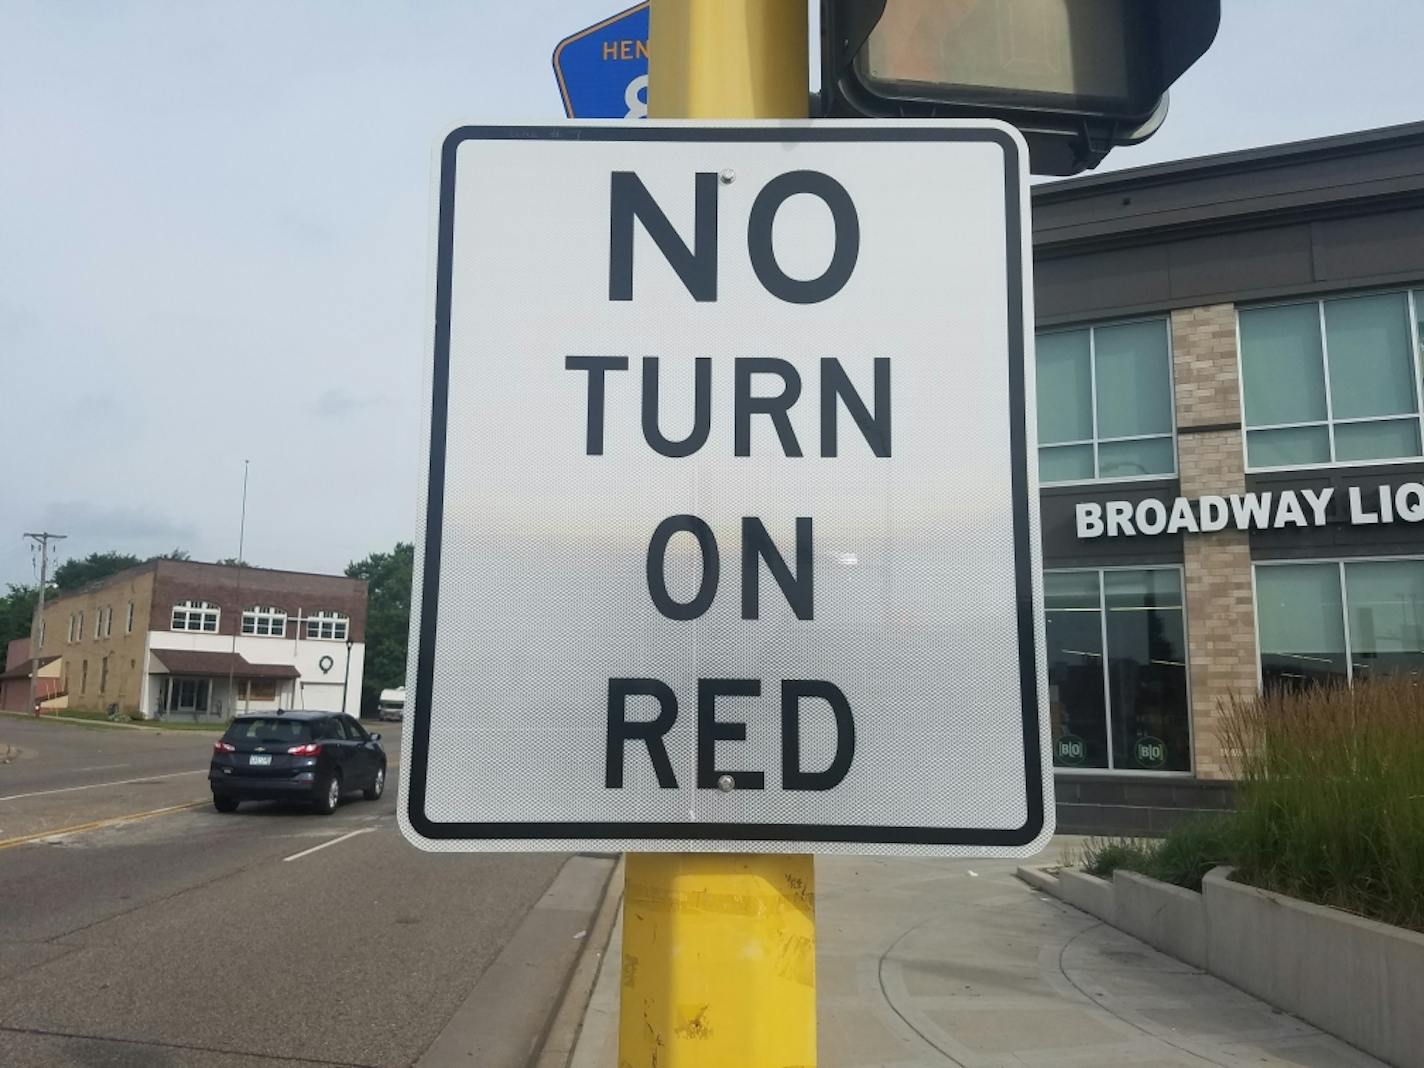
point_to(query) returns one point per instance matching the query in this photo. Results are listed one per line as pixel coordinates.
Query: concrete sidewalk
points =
(923, 963)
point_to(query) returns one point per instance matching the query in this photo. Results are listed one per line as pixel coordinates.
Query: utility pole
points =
(734, 930)
(42, 539)
(237, 592)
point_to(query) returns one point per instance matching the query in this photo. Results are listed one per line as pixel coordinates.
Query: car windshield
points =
(275, 729)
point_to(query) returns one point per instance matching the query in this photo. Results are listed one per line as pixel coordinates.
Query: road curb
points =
(511, 1013)
(77, 721)
(597, 1044)
(573, 1014)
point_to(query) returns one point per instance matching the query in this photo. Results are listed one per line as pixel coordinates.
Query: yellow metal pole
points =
(728, 59)
(719, 950)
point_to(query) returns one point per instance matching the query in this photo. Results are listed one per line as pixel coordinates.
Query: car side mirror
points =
(376, 737)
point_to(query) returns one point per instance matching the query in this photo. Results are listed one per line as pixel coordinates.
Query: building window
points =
(1331, 381)
(264, 622)
(188, 695)
(128, 626)
(195, 615)
(42, 630)
(70, 637)
(1339, 620)
(259, 690)
(1117, 669)
(79, 628)
(83, 676)
(103, 674)
(1105, 403)
(108, 621)
(330, 625)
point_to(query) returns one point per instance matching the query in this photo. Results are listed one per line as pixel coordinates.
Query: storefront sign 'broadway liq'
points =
(1267, 510)
(730, 534)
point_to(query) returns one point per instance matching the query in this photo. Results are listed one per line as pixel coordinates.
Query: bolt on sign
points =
(731, 534)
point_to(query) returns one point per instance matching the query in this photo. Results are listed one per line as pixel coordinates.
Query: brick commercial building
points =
(15, 679)
(1228, 369)
(175, 638)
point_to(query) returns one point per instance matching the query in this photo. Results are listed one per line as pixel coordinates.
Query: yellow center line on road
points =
(95, 825)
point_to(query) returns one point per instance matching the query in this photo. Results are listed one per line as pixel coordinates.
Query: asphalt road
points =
(138, 926)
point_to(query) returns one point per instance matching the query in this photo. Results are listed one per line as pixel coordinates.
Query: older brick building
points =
(1228, 377)
(15, 679)
(192, 640)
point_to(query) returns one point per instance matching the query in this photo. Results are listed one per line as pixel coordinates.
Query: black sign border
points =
(435, 509)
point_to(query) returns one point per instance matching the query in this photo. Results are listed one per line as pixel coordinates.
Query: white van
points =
(391, 705)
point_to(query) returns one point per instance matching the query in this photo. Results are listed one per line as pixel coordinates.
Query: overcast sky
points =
(214, 239)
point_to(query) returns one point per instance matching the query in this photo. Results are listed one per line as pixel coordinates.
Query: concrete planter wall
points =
(1356, 978)
(1360, 980)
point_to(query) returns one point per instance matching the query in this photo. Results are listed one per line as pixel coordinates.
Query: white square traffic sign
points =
(731, 530)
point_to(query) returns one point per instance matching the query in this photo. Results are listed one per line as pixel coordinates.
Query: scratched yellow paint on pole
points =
(719, 950)
(719, 962)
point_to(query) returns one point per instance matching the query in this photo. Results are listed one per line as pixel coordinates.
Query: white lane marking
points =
(103, 767)
(98, 785)
(334, 841)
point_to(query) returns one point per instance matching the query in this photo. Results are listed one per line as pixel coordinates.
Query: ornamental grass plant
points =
(1329, 803)
(1330, 795)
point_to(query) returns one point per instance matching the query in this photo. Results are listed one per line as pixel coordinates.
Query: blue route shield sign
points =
(602, 71)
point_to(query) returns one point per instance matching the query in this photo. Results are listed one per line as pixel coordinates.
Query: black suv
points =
(301, 756)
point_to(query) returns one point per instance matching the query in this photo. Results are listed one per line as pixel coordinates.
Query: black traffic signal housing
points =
(1099, 77)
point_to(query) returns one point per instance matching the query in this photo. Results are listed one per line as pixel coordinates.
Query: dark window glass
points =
(269, 728)
(1147, 670)
(1076, 701)
(1386, 599)
(1300, 625)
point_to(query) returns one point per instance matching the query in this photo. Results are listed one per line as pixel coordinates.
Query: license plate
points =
(257, 760)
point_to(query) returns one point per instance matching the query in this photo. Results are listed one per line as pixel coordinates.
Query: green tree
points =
(232, 561)
(388, 578)
(72, 574)
(17, 612)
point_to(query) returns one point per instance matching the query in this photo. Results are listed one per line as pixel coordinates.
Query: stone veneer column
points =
(1221, 621)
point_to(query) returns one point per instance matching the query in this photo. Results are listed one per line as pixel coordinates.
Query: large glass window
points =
(1299, 624)
(1077, 698)
(329, 625)
(1105, 402)
(188, 695)
(1339, 620)
(264, 621)
(1332, 381)
(1117, 669)
(195, 615)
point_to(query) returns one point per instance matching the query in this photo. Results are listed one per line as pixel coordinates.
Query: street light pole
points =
(346, 678)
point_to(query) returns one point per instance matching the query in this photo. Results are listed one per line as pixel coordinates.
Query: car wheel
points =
(378, 785)
(330, 795)
(224, 804)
